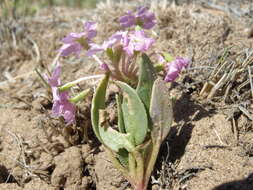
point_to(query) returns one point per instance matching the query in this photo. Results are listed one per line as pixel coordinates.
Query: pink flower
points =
(138, 42)
(174, 68)
(127, 20)
(61, 104)
(129, 42)
(143, 18)
(75, 42)
(90, 28)
(120, 38)
(94, 48)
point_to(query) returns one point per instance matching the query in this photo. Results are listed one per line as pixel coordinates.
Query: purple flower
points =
(54, 80)
(138, 42)
(61, 104)
(120, 38)
(129, 42)
(90, 28)
(174, 68)
(75, 42)
(117, 39)
(94, 48)
(127, 20)
(143, 18)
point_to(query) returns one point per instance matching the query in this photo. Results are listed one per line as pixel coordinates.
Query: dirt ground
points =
(203, 150)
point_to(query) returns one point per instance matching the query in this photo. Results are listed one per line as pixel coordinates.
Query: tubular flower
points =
(127, 20)
(138, 42)
(75, 42)
(143, 18)
(120, 38)
(173, 68)
(61, 104)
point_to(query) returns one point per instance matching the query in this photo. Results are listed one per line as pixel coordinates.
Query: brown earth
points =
(40, 153)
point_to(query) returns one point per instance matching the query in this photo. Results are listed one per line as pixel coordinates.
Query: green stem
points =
(132, 165)
(151, 163)
(81, 96)
(68, 85)
(139, 170)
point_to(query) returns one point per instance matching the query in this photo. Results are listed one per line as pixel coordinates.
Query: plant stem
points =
(73, 83)
(151, 163)
(132, 165)
(139, 170)
(81, 96)
(140, 165)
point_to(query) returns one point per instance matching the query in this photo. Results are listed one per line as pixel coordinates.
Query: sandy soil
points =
(202, 150)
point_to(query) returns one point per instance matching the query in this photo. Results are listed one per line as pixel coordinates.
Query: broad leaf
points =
(134, 114)
(147, 77)
(161, 111)
(112, 138)
(98, 102)
(121, 125)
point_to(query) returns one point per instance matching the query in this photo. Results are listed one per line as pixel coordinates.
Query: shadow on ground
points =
(185, 111)
(173, 148)
(5, 176)
(244, 184)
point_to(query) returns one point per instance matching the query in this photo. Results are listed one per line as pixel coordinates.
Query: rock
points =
(107, 176)
(68, 170)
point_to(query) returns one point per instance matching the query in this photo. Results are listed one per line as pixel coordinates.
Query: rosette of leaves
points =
(144, 120)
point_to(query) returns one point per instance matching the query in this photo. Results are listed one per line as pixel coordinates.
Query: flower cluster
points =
(142, 18)
(76, 42)
(122, 49)
(129, 42)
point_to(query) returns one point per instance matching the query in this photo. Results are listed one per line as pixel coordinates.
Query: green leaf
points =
(147, 77)
(121, 125)
(98, 102)
(122, 155)
(112, 138)
(161, 111)
(107, 135)
(134, 113)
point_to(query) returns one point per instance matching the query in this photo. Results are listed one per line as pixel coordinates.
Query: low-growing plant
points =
(144, 120)
(144, 109)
